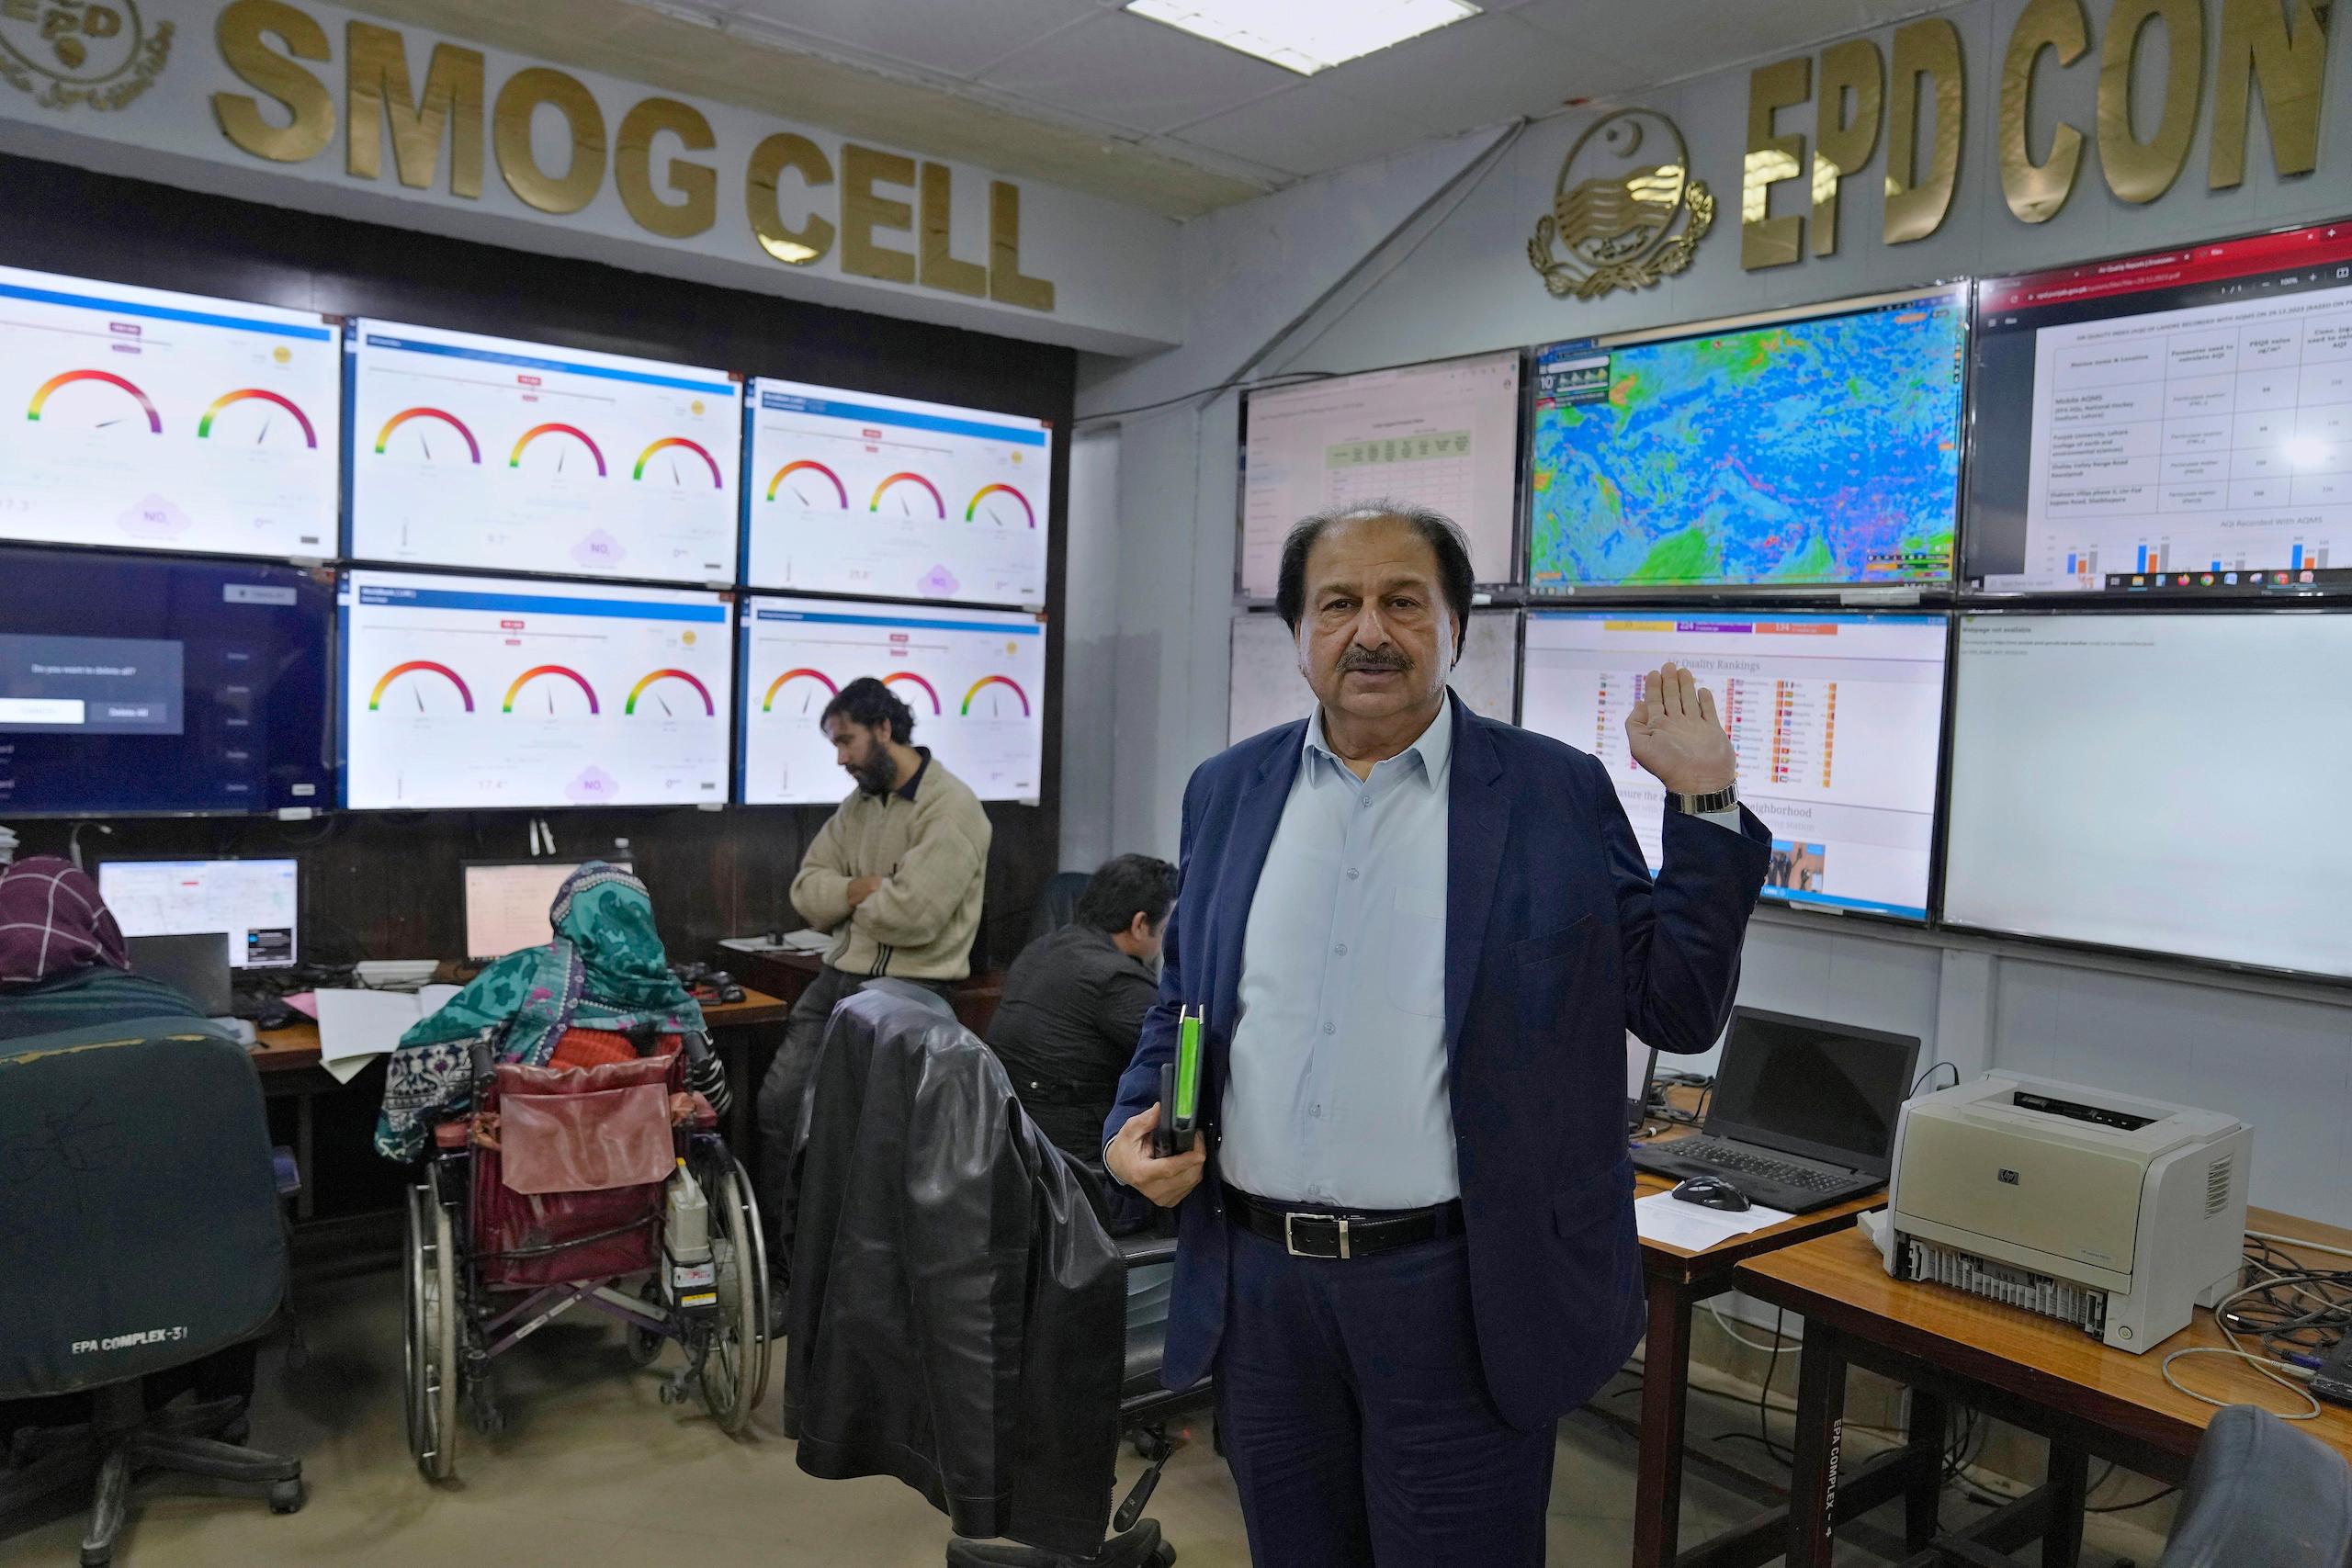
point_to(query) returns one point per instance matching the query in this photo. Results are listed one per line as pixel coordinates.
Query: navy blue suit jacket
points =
(1557, 942)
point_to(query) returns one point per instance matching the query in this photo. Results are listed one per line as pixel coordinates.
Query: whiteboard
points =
(1266, 689)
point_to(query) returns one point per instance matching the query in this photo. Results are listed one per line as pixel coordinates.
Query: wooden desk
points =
(786, 975)
(287, 1060)
(1677, 1281)
(2014, 1365)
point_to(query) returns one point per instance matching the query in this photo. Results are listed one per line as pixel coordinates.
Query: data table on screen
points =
(2134, 781)
(1443, 435)
(1819, 447)
(851, 492)
(511, 456)
(1264, 687)
(1837, 720)
(2178, 420)
(975, 681)
(165, 421)
(488, 692)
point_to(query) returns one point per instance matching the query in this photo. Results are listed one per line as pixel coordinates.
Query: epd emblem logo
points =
(99, 52)
(1625, 211)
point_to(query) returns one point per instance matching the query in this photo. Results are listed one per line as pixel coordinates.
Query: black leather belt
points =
(1308, 1233)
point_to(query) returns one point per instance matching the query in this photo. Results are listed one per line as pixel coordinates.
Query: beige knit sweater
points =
(933, 855)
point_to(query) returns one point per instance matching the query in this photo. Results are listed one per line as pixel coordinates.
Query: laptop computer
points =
(1802, 1112)
(194, 964)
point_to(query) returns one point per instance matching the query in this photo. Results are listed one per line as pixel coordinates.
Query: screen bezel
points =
(98, 877)
(1968, 594)
(1721, 1125)
(2101, 605)
(1517, 559)
(1860, 594)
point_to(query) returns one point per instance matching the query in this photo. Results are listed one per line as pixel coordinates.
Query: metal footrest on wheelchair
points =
(1138, 1548)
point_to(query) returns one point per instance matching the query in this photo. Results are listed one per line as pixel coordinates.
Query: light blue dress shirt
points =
(1335, 1089)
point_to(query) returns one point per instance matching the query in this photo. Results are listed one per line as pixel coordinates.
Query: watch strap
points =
(1722, 799)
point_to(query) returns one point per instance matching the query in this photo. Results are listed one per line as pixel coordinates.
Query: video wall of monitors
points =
(1443, 434)
(155, 421)
(1815, 448)
(1264, 688)
(974, 681)
(1838, 720)
(2180, 421)
(471, 692)
(858, 493)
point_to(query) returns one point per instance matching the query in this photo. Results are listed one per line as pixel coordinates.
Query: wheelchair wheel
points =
(429, 1339)
(735, 1372)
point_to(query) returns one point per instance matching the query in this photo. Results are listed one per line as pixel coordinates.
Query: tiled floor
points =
(594, 1471)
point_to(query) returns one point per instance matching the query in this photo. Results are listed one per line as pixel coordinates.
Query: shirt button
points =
(1328, 1028)
(1352, 874)
(1341, 950)
(1315, 1110)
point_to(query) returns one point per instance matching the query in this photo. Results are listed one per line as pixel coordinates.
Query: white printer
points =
(2119, 1215)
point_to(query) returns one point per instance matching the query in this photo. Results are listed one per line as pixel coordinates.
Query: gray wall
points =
(1459, 282)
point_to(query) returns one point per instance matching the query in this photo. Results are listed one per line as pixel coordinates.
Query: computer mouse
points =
(1711, 1193)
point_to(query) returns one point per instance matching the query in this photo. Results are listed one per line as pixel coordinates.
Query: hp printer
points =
(2118, 1214)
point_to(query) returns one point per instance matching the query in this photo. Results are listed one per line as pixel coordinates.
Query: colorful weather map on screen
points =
(1815, 450)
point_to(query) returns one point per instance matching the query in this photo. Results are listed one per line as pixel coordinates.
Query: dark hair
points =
(868, 702)
(1454, 576)
(1125, 886)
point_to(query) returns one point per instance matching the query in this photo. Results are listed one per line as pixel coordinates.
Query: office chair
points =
(1057, 905)
(2262, 1494)
(143, 1234)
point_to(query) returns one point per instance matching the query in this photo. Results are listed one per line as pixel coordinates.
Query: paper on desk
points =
(356, 1026)
(1663, 1217)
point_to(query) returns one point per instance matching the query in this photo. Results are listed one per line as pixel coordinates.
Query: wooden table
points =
(1679, 1279)
(786, 975)
(287, 1060)
(2034, 1372)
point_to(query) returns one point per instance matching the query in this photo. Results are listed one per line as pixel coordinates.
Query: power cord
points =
(1933, 1068)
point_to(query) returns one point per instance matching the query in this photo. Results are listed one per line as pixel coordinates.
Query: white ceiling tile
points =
(954, 38)
(1679, 39)
(1130, 72)
(1305, 132)
(1481, 72)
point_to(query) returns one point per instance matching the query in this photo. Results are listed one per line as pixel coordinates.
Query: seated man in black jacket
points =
(1075, 998)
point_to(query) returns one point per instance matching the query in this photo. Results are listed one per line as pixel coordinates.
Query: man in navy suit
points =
(1419, 937)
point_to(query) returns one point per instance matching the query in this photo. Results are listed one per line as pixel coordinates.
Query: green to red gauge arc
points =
(68, 377)
(894, 480)
(928, 689)
(515, 459)
(247, 394)
(473, 447)
(376, 697)
(778, 684)
(984, 682)
(536, 671)
(708, 707)
(972, 511)
(717, 481)
(808, 465)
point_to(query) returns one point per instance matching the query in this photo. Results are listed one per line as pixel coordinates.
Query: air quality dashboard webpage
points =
(165, 421)
(859, 493)
(472, 451)
(481, 692)
(1836, 719)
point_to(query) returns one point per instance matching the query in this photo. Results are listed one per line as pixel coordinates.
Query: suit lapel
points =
(1478, 827)
(1255, 817)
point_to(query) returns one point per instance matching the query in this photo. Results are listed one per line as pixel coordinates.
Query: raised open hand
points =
(1674, 733)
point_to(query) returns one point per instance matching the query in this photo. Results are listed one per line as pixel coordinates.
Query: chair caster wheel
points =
(287, 1497)
(96, 1556)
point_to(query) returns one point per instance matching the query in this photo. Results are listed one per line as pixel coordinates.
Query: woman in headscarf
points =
(605, 971)
(62, 961)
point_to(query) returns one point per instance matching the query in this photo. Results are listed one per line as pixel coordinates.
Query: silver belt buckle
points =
(1289, 1235)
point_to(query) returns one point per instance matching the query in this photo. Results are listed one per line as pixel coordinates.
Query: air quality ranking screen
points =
(485, 692)
(470, 451)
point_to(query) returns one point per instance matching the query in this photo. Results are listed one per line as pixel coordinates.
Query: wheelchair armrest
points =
(692, 1112)
(451, 1135)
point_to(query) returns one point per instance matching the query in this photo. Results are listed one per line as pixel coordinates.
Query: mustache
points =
(1372, 659)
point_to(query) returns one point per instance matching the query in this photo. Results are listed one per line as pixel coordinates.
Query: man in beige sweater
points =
(896, 876)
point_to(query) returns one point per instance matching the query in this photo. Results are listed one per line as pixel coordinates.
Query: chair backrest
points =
(142, 1225)
(1057, 905)
(2262, 1494)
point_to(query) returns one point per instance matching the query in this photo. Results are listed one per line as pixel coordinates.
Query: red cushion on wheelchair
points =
(591, 1048)
(585, 1143)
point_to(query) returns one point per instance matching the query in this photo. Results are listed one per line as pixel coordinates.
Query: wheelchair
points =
(488, 1266)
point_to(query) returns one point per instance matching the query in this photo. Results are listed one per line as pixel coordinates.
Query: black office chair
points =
(1057, 905)
(142, 1235)
(2262, 1494)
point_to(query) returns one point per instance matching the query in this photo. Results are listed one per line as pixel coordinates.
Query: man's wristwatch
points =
(1722, 799)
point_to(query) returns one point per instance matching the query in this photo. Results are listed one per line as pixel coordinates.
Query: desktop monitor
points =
(1808, 447)
(2171, 423)
(1264, 688)
(1838, 720)
(1445, 434)
(2134, 781)
(507, 902)
(1828, 1091)
(150, 685)
(253, 901)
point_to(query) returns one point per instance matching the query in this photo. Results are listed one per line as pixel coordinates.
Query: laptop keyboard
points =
(1750, 1162)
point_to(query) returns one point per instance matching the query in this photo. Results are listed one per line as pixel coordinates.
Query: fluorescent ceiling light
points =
(1305, 36)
